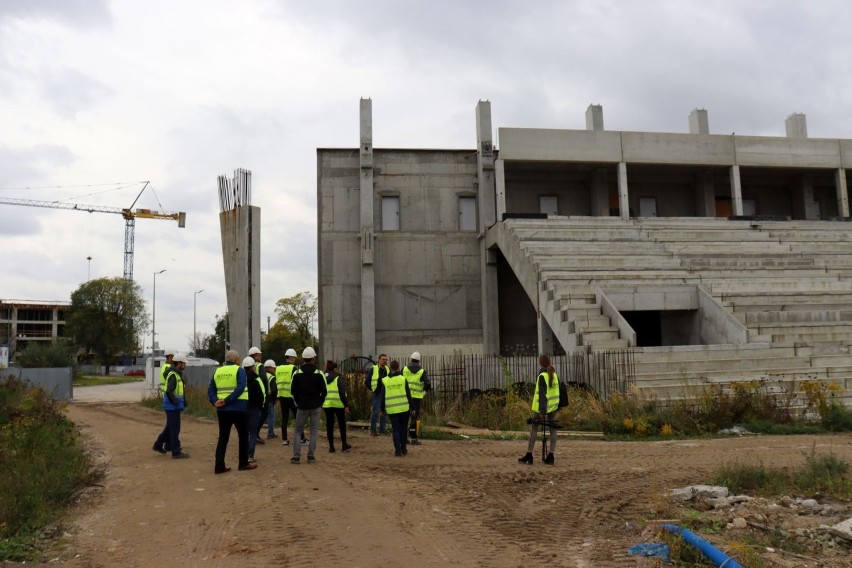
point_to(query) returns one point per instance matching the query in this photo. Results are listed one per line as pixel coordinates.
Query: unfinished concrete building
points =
(716, 257)
(239, 222)
(26, 321)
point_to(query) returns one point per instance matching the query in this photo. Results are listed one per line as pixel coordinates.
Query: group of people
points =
(244, 394)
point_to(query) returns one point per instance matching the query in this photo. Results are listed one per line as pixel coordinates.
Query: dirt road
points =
(447, 503)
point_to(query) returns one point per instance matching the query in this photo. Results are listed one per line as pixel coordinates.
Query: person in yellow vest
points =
(373, 382)
(174, 402)
(309, 392)
(271, 399)
(418, 384)
(545, 404)
(257, 355)
(396, 402)
(283, 382)
(336, 405)
(256, 401)
(164, 369)
(227, 392)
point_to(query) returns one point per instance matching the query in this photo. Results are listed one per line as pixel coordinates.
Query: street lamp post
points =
(194, 337)
(154, 315)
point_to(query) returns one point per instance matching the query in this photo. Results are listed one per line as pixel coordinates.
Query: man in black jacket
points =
(309, 392)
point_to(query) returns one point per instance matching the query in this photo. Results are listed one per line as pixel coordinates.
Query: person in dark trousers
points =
(545, 404)
(418, 383)
(228, 393)
(373, 382)
(256, 401)
(336, 405)
(396, 402)
(168, 353)
(283, 382)
(256, 354)
(271, 398)
(174, 402)
(309, 392)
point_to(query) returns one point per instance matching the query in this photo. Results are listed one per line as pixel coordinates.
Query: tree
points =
(275, 343)
(198, 344)
(215, 345)
(38, 354)
(297, 313)
(107, 317)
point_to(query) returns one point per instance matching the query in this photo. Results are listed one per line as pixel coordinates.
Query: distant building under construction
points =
(26, 321)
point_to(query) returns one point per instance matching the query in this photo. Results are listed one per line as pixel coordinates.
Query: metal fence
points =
(457, 378)
(56, 382)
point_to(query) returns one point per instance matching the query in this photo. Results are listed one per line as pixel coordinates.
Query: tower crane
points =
(129, 215)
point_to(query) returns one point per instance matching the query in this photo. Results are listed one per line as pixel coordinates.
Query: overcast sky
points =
(97, 95)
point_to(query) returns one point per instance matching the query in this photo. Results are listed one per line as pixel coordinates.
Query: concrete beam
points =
(842, 194)
(736, 190)
(487, 217)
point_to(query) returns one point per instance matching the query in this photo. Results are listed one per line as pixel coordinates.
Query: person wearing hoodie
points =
(309, 391)
(336, 405)
(418, 383)
(228, 394)
(256, 401)
(174, 402)
(395, 403)
(545, 405)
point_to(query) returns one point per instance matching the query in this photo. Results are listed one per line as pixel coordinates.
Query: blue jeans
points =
(270, 418)
(253, 418)
(374, 414)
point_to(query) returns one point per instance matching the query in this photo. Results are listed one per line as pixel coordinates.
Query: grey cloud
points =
(69, 91)
(29, 166)
(15, 222)
(81, 13)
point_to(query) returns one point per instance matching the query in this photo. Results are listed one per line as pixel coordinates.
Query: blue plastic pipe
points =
(716, 556)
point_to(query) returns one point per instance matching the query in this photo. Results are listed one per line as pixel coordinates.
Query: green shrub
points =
(58, 354)
(838, 418)
(42, 464)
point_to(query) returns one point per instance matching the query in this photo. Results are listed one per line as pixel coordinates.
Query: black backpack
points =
(563, 395)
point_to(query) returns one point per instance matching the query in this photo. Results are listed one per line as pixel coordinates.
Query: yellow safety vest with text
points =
(552, 394)
(395, 399)
(226, 382)
(415, 385)
(284, 380)
(332, 399)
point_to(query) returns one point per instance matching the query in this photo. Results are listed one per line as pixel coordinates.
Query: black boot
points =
(331, 448)
(527, 459)
(549, 459)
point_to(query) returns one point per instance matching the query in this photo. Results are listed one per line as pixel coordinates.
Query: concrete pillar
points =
(804, 206)
(54, 328)
(487, 217)
(796, 125)
(736, 191)
(623, 196)
(698, 123)
(599, 193)
(545, 336)
(594, 117)
(705, 195)
(842, 195)
(240, 228)
(500, 187)
(368, 283)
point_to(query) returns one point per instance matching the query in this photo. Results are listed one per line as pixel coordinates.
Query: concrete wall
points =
(427, 274)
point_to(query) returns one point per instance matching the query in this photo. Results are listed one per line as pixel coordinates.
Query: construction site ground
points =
(447, 503)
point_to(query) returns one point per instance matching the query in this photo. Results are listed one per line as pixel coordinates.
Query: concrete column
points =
(13, 332)
(594, 117)
(368, 283)
(796, 125)
(698, 123)
(705, 195)
(54, 328)
(842, 195)
(500, 187)
(804, 206)
(623, 196)
(736, 191)
(487, 217)
(600, 193)
(545, 336)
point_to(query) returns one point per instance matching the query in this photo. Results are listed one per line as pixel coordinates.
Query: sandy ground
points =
(453, 503)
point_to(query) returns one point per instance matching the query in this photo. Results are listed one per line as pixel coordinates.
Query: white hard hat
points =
(179, 358)
(169, 351)
(253, 351)
(248, 362)
(269, 363)
(290, 353)
(415, 356)
(309, 353)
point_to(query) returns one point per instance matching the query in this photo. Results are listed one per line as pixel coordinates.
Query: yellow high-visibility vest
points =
(552, 393)
(226, 382)
(284, 380)
(332, 399)
(415, 385)
(396, 401)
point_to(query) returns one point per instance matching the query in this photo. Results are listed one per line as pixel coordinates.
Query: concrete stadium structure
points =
(717, 257)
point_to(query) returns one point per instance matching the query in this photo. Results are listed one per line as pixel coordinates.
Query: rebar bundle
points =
(235, 192)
